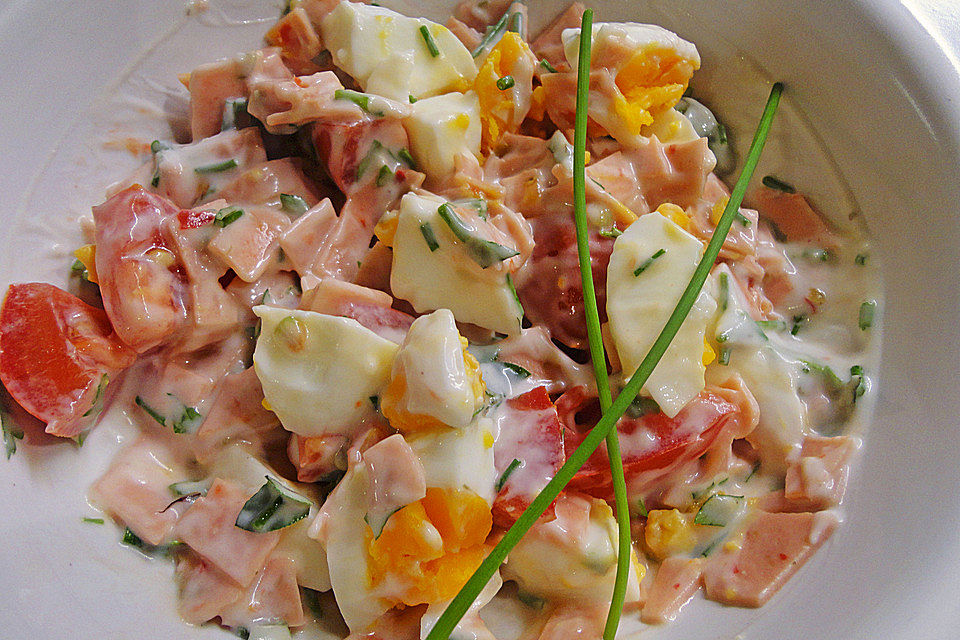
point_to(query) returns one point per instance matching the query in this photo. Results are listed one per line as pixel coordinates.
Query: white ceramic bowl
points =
(876, 89)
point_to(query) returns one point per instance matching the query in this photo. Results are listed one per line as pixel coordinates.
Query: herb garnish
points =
(272, 507)
(649, 261)
(429, 236)
(546, 65)
(505, 83)
(867, 311)
(293, 204)
(502, 480)
(218, 167)
(428, 39)
(772, 182)
(226, 216)
(483, 252)
(362, 100)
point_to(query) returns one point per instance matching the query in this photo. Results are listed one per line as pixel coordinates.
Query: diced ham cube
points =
(677, 580)
(793, 216)
(548, 45)
(315, 457)
(238, 415)
(204, 591)
(819, 478)
(298, 41)
(209, 528)
(211, 85)
(263, 183)
(136, 490)
(395, 476)
(248, 244)
(370, 307)
(774, 547)
(273, 596)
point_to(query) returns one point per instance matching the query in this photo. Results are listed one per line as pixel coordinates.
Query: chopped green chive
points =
(227, 215)
(516, 22)
(153, 413)
(724, 291)
(772, 325)
(375, 146)
(377, 523)
(641, 508)
(742, 219)
(384, 175)
(612, 232)
(578, 457)
(818, 255)
(867, 311)
(404, 156)
(293, 204)
(97, 405)
(483, 252)
(272, 507)
(753, 472)
(772, 182)
(11, 433)
(502, 480)
(429, 236)
(411, 98)
(721, 133)
(493, 32)
(156, 147)
(362, 100)
(188, 420)
(797, 323)
(513, 291)
(718, 511)
(92, 520)
(131, 539)
(546, 65)
(649, 261)
(218, 167)
(517, 369)
(861, 259)
(642, 406)
(428, 40)
(505, 83)
(724, 356)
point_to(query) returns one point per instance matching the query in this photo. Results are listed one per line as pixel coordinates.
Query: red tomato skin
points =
(54, 351)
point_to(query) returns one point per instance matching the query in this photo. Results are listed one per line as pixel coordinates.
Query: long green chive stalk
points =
(461, 603)
(592, 314)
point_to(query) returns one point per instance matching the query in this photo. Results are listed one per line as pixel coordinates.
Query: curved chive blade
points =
(484, 252)
(272, 507)
(461, 603)
(218, 167)
(597, 356)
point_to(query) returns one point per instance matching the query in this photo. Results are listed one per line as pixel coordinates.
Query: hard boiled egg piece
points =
(318, 371)
(435, 382)
(389, 54)
(651, 67)
(442, 127)
(650, 266)
(433, 269)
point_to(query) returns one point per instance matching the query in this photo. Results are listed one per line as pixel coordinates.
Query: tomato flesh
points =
(54, 351)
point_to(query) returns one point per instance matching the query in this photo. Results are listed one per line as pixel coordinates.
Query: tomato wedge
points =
(527, 454)
(651, 445)
(56, 354)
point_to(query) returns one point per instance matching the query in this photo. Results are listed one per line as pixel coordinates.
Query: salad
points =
(348, 319)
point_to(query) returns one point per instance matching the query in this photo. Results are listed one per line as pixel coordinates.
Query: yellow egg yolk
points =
(651, 81)
(497, 107)
(431, 547)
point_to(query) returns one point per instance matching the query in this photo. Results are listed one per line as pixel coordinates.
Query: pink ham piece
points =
(315, 457)
(395, 477)
(263, 184)
(249, 243)
(209, 528)
(237, 415)
(774, 547)
(548, 45)
(370, 307)
(136, 488)
(204, 590)
(819, 478)
(676, 582)
(644, 177)
(302, 240)
(793, 216)
(136, 266)
(272, 596)
(573, 623)
(530, 432)
(297, 39)
(533, 350)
